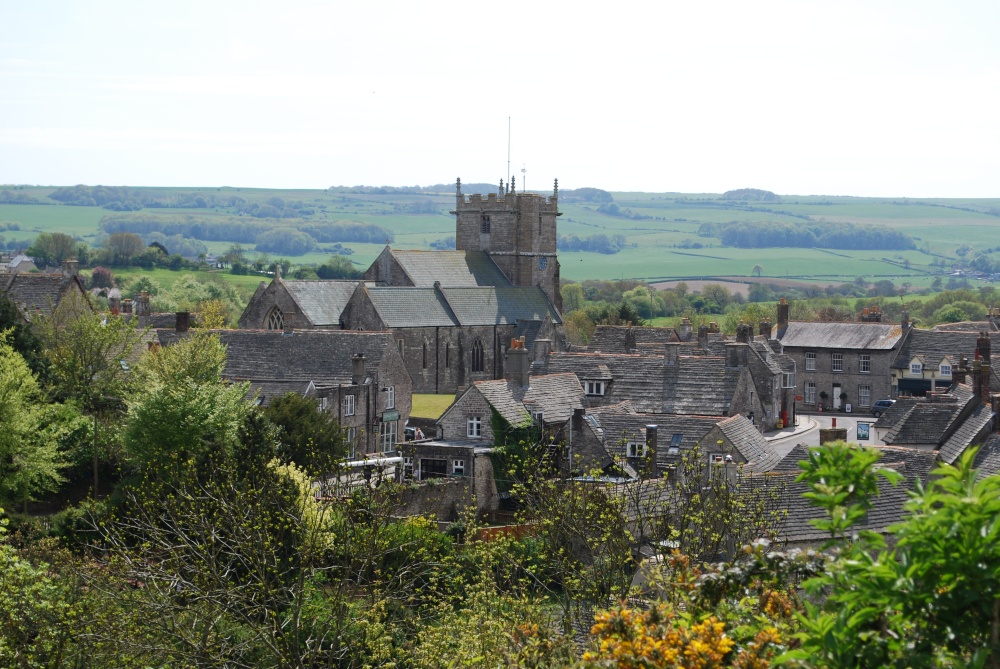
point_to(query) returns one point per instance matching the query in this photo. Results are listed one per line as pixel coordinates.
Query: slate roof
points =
(936, 344)
(699, 385)
(621, 428)
(401, 307)
(696, 385)
(887, 509)
(624, 338)
(555, 395)
(871, 336)
(266, 391)
(897, 412)
(322, 356)
(988, 457)
(926, 423)
(760, 456)
(790, 463)
(499, 305)
(451, 268)
(37, 292)
(322, 302)
(980, 419)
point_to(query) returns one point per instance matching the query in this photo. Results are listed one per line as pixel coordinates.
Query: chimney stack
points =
(542, 349)
(765, 329)
(782, 317)
(357, 369)
(743, 333)
(183, 320)
(142, 308)
(905, 320)
(126, 306)
(70, 268)
(736, 354)
(713, 327)
(517, 363)
(960, 373)
(983, 347)
(685, 330)
(670, 351)
(703, 336)
(650, 461)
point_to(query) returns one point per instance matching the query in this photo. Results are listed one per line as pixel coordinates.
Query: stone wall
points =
(880, 377)
(454, 422)
(444, 499)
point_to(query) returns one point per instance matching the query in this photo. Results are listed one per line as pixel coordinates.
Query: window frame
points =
(458, 467)
(635, 449)
(474, 427)
(917, 368)
(594, 388)
(864, 363)
(837, 362)
(387, 436)
(350, 405)
(810, 358)
(809, 392)
(944, 369)
(863, 390)
(390, 397)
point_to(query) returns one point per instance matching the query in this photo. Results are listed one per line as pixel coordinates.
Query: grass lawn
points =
(430, 406)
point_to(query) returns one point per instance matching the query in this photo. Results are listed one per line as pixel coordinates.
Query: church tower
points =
(517, 230)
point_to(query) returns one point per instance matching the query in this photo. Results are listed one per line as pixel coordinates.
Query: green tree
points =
(51, 248)
(338, 267)
(124, 246)
(757, 270)
(572, 297)
(931, 599)
(310, 437)
(182, 415)
(30, 459)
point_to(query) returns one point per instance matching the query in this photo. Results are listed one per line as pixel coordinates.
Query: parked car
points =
(879, 407)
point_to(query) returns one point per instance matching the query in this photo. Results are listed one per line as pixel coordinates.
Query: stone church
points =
(453, 313)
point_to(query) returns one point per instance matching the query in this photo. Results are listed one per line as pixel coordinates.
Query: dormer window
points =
(635, 449)
(916, 367)
(945, 369)
(594, 387)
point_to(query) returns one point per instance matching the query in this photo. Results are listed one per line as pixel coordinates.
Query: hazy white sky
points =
(853, 98)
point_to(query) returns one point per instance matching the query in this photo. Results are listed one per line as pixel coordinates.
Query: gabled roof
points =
(872, 336)
(700, 385)
(758, 453)
(625, 338)
(695, 385)
(499, 305)
(401, 307)
(925, 423)
(971, 427)
(33, 292)
(935, 345)
(621, 428)
(988, 457)
(322, 302)
(790, 463)
(450, 268)
(554, 395)
(322, 356)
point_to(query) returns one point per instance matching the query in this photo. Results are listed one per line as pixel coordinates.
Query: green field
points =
(654, 243)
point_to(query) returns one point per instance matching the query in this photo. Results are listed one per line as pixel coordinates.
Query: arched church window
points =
(275, 321)
(477, 356)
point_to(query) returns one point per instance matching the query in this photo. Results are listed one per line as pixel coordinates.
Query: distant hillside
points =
(751, 195)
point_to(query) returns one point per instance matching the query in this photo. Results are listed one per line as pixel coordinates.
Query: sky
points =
(889, 99)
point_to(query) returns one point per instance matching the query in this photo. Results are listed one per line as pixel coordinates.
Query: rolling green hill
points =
(659, 231)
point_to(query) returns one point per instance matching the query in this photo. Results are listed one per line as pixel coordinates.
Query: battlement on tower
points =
(495, 201)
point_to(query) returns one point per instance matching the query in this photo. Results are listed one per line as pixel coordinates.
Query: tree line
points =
(823, 234)
(294, 237)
